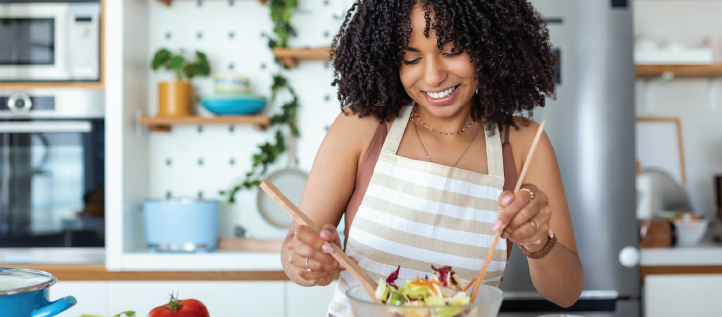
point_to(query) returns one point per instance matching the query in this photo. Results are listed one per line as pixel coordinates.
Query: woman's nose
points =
(434, 72)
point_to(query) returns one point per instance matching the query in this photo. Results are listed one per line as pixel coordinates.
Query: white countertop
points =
(707, 253)
(142, 260)
(219, 260)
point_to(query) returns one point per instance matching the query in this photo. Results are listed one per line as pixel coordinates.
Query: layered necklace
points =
(416, 115)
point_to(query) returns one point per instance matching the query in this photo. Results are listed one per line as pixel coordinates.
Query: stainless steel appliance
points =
(52, 168)
(49, 41)
(591, 125)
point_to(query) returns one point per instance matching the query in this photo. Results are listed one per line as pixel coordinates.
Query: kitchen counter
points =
(143, 260)
(99, 273)
(707, 253)
(219, 260)
(705, 258)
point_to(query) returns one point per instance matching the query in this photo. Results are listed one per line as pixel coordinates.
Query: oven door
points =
(34, 39)
(51, 183)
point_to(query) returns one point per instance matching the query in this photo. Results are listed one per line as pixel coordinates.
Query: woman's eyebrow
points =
(411, 49)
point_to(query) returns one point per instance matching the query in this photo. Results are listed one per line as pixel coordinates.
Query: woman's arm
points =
(325, 196)
(558, 275)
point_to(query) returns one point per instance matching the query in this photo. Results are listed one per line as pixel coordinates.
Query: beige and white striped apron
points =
(417, 214)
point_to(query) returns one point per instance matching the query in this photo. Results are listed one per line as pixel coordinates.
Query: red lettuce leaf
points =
(443, 273)
(391, 280)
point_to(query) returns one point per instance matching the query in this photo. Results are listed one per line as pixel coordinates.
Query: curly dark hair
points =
(507, 41)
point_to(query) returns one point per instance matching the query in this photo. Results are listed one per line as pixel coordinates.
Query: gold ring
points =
(531, 194)
(308, 268)
(534, 223)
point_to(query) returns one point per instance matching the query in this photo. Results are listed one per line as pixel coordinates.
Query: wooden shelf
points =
(261, 122)
(651, 71)
(290, 57)
(169, 2)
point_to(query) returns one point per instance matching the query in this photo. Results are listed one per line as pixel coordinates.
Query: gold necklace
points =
(427, 153)
(416, 115)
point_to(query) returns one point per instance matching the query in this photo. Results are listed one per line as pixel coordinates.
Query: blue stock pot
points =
(24, 293)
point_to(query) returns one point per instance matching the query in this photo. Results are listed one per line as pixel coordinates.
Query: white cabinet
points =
(92, 297)
(231, 298)
(223, 298)
(682, 295)
(309, 301)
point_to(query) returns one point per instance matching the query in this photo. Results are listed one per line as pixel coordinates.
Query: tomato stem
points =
(174, 303)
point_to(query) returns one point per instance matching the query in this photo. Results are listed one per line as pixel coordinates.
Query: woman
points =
(429, 89)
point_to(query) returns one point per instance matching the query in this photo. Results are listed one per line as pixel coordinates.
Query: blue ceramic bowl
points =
(24, 293)
(233, 104)
(181, 225)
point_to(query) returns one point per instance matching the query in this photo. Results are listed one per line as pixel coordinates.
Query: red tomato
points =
(180, 308)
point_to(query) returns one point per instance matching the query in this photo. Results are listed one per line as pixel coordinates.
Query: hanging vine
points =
(281, 12)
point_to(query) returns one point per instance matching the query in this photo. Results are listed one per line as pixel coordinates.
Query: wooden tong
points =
(358, 272)
(480, 277)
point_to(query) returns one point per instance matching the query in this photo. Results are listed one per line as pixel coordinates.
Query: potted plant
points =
(174, 97)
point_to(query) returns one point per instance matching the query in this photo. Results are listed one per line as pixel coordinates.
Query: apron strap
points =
(510, 176)
(494, 156)
(393, 139)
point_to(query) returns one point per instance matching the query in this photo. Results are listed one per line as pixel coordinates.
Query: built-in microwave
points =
(49, 41)
(52, 168)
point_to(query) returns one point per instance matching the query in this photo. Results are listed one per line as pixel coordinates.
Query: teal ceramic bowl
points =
(233, 104)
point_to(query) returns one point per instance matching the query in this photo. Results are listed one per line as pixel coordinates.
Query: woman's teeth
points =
(439, 95)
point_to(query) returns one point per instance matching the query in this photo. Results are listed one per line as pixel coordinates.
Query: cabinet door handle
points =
(46, 127)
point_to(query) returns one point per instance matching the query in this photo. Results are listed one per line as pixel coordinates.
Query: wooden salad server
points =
(480, 277)
(357, 271)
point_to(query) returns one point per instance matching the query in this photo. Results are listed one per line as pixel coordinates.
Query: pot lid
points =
(16, 281)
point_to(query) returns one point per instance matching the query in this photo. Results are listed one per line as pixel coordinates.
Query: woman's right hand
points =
(306, 247)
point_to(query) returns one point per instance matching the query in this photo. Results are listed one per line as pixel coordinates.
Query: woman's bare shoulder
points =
(526, 129)
(521, 139)
(351, 133)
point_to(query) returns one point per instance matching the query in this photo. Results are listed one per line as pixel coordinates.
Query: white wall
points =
(695, 101)
(246, 50)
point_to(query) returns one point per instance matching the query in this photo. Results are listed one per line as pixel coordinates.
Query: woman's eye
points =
(411, 62)
(452, 54)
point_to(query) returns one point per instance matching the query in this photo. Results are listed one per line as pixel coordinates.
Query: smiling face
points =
(440, 81)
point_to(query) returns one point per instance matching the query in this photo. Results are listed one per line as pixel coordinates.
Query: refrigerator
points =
(591, 126)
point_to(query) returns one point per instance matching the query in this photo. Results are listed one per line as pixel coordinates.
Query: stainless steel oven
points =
(52, 168)
(49, 41)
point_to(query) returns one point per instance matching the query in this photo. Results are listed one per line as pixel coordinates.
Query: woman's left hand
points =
(526, 215)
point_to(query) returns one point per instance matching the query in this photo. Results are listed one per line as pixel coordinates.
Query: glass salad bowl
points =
(487, 304)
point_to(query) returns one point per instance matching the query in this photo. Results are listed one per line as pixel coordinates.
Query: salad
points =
(442, 288)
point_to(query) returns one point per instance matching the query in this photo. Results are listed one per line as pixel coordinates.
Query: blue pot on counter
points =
(24, 293)
(181, 225)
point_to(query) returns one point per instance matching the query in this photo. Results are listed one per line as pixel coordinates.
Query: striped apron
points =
(417, 214)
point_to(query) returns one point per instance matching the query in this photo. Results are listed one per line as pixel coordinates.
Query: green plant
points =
(177, 62)
(281, 12)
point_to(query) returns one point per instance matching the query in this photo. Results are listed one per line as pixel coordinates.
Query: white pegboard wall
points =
(189, 161)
